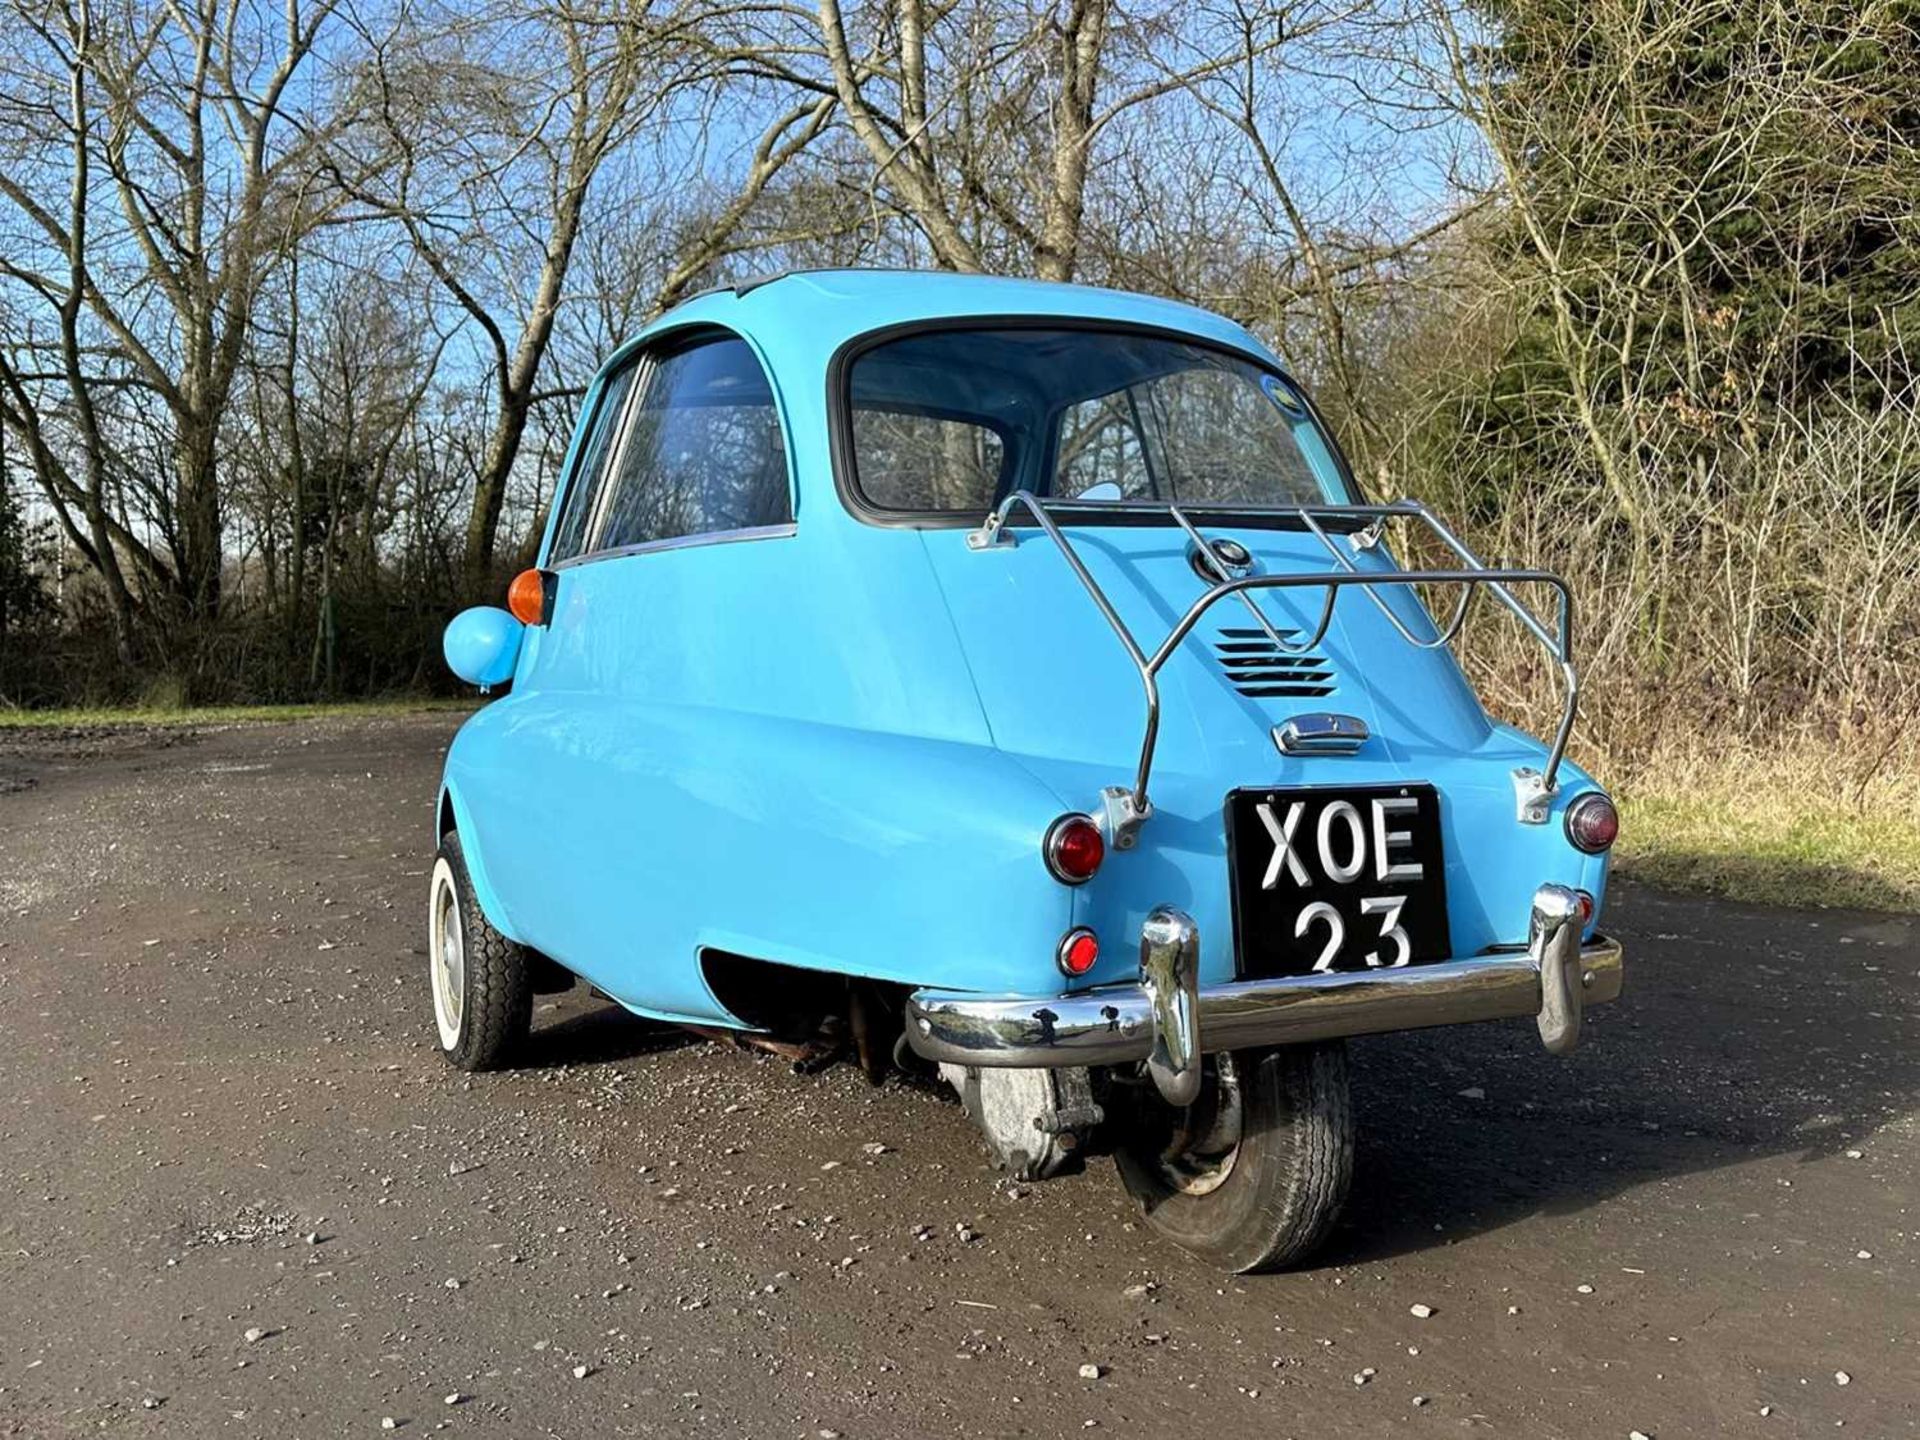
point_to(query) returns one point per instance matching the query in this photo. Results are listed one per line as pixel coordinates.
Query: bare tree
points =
(483, 137)
(980, 122)
(1330, 203)
(174, 128)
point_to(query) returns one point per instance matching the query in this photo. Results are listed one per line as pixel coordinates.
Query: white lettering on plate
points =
(1282, 834)
(1384, 840)
(1336, 932)
(1356, 860)
(1388, 907)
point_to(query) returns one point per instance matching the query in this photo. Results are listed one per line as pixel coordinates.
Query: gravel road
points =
(240, 1194)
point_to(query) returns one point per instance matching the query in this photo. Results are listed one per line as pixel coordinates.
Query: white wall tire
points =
(446, 954)
(481, 989)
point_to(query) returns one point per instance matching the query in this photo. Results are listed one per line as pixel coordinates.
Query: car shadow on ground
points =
(1775, 1035)
(1772, 1037)
(576, 1028)
(579, 1027)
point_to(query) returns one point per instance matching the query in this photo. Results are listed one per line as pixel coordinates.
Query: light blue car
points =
(1011, 679)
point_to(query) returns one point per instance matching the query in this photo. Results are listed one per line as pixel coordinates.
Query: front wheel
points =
(1252, 1175)
(482, 986)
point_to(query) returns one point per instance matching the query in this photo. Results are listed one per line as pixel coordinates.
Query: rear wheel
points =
(1252, 1175)
(482, 988)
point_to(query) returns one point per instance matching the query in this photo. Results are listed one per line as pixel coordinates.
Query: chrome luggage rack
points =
(1127, 808)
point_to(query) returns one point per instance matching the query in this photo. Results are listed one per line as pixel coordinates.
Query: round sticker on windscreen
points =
(1278, 392)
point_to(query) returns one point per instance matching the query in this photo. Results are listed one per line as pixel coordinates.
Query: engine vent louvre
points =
(1256, 667)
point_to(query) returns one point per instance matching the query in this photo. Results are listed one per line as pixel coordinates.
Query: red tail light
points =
(1079, 949)
(1592, 823)
(1073, 849)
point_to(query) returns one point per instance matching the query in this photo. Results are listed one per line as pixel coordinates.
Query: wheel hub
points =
(1204, 1140)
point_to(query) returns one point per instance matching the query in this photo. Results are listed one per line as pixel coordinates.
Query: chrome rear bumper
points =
(1169, 1020)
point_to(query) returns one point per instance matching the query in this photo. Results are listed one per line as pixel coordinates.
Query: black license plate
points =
(1329, 880)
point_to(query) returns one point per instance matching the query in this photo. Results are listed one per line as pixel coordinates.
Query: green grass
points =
(149, 716)
(1792, 826)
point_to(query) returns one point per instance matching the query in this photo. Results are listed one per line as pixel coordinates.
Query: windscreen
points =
(952, 420)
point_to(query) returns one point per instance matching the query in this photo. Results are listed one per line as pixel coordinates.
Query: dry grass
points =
(1804, 822)
(1748, 636)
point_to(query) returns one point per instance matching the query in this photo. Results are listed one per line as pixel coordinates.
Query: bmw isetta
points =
(1013, 676)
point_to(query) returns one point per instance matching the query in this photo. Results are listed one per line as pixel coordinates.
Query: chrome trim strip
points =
(786, 530)
(1320, 732)
(644, 367)
(1115, 1024)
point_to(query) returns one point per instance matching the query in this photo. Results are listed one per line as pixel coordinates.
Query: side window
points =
(701, 452)
(589, 470)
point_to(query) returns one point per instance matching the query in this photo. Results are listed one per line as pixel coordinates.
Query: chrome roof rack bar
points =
(1128, 808)
(1205, 549)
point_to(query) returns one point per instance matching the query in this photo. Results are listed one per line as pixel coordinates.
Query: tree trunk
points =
(197, 518)
(490, 489)
(1080, 49)
(70, 351)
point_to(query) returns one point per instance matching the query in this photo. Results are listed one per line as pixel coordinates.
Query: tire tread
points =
(1304, 1206)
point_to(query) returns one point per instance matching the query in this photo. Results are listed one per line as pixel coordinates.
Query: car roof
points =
(817, 311)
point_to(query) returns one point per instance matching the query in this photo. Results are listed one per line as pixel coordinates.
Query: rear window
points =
(951, 421)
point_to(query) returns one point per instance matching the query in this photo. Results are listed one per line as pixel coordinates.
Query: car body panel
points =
(452, 814)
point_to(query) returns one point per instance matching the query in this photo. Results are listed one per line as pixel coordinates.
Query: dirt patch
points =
(249, 1225)
(56, 743)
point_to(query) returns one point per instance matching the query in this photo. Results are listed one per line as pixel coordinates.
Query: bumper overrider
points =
(1169, 1020)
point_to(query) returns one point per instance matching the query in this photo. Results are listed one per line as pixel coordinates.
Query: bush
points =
(26, 607)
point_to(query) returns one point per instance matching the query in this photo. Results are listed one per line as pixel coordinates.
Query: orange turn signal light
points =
(527, 597)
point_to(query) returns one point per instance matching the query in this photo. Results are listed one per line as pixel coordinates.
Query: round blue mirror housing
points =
(482, 645)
